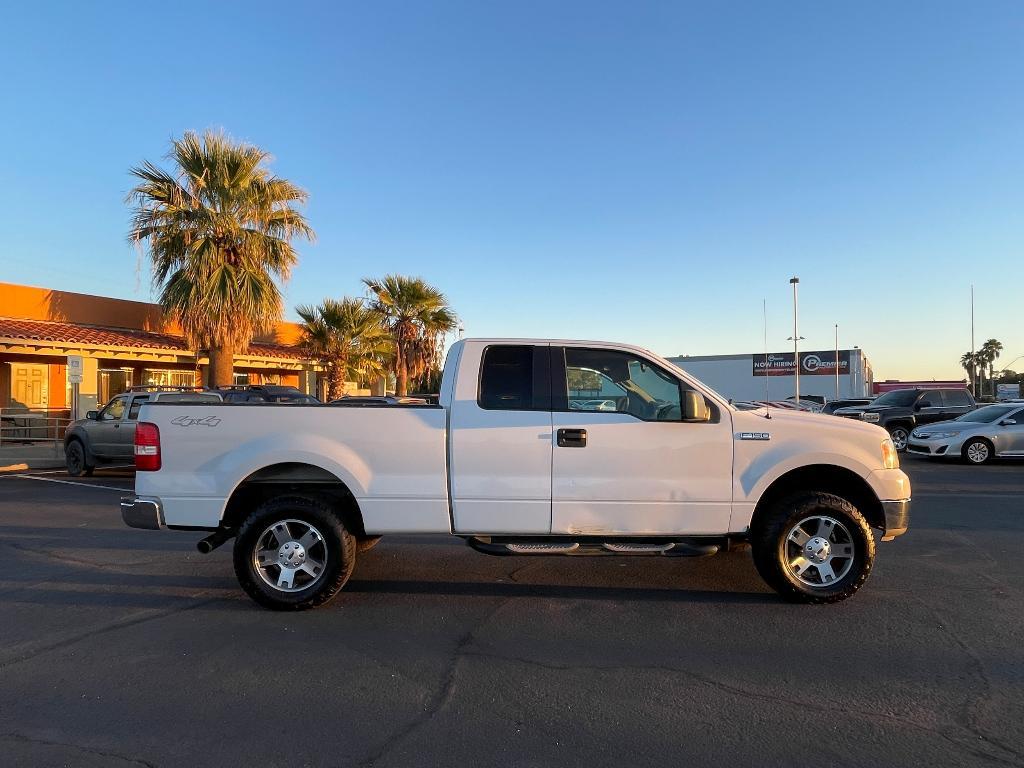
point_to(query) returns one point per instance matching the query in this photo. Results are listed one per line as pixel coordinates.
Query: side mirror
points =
(695, 407)
(922, 404)
(1007, 422)
(92, 415)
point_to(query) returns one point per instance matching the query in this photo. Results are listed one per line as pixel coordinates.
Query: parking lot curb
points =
(37, 464)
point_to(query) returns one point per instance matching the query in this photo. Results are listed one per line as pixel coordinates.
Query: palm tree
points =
(218, 227)
(348, 338)
(970, 362)
(989, 354)
(417, 316)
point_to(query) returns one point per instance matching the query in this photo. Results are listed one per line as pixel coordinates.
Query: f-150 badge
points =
(755, 435)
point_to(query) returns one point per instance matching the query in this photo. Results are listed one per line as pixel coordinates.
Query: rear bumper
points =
(138, 512)
(897, 518)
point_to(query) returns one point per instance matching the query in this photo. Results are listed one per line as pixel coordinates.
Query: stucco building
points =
(121, 343)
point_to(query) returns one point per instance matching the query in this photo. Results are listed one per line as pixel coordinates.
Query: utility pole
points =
(795, 281)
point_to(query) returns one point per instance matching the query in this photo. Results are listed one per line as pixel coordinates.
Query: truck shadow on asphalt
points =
(637, 594)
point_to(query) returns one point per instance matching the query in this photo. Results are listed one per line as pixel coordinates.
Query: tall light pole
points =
(974, 363)
(795, 281)
(837, 361)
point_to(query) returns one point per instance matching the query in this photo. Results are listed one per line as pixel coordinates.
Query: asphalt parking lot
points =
(124, 647)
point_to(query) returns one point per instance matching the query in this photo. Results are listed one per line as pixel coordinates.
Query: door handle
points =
(571, 438)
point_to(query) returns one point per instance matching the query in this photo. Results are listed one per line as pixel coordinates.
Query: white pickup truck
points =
(538, 447)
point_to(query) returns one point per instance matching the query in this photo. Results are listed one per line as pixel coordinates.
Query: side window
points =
(133, 411)
(958, 398)
(931, 398)
(115, 410)
(601, 380)
(507, 378)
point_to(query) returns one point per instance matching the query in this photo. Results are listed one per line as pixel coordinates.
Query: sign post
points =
(74, 379)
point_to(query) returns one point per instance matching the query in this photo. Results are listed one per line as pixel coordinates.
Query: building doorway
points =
(29, 389)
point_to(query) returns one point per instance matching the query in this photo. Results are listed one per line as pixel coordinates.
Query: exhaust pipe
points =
(214, 540)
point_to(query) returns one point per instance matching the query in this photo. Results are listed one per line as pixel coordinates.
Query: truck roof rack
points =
(163, 388)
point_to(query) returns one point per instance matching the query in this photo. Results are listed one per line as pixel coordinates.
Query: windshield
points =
(897, 397)
(987, 415)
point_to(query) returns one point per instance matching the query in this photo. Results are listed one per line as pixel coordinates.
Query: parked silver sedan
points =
(977, 437)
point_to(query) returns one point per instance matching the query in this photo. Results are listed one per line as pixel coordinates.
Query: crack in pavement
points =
(21, 738)
(444, 694)
(131, 621)
(972, 707)
(883, 719)
(75, 560)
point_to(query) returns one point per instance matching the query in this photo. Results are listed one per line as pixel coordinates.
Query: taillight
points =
(147, 447)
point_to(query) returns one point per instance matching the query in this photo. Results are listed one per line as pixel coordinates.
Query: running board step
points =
(538, 548)
(493, 545)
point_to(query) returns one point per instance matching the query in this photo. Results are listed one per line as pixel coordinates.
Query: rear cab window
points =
(515, 377)
(136, 406)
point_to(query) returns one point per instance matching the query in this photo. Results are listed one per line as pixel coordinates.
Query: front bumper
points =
(897, 518)
(138, 512)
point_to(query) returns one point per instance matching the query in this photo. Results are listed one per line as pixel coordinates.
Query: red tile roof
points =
(91, 335)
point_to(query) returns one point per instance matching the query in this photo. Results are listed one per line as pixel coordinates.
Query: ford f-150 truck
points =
(535, 448)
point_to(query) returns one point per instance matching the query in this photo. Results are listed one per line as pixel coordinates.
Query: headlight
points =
(869, 416)
(944, 434)
(890, 458)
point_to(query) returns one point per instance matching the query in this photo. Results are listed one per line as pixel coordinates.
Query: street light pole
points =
(837, 361)
(795, 281)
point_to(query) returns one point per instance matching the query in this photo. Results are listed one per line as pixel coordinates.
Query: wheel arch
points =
(293, 478)
(823, 478)
(82, 437)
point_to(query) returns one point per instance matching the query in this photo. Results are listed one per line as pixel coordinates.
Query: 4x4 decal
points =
(195, 421)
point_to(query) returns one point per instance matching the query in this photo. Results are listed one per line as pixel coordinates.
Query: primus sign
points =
(811, 363)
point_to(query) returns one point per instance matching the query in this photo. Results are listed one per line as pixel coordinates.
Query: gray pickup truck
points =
(108, 435)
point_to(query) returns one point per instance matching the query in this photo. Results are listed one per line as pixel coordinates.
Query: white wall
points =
(732, 376)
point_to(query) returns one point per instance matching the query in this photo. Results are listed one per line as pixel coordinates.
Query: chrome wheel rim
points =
(899, 438)
(977, 453)
(819, 551)
(290, 555)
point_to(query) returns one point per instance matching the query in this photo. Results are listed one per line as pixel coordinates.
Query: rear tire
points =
(813, 548)
(76, 459)
(978, 451)
(367, 543)
(293, 553)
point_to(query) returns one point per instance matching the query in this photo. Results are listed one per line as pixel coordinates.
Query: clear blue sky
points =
(643, 172)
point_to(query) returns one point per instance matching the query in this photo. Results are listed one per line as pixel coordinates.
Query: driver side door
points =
(104, 434)
(637, 468)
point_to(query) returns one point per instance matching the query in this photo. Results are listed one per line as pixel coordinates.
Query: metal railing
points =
(34, 428)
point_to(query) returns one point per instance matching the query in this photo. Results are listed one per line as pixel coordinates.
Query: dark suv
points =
(266, 393)
(900, 410)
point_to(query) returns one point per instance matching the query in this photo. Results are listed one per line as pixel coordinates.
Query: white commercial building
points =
(761, 376)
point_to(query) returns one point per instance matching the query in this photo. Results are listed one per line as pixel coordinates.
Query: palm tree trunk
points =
(222, 366)
(401, 374)
(336, 380)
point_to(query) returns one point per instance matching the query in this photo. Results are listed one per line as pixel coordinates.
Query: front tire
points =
(293, 553)
(900, 435)
(813, 548)
(978, 451)
(76, 460)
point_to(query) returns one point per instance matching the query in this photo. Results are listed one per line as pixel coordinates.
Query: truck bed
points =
(392, 458)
